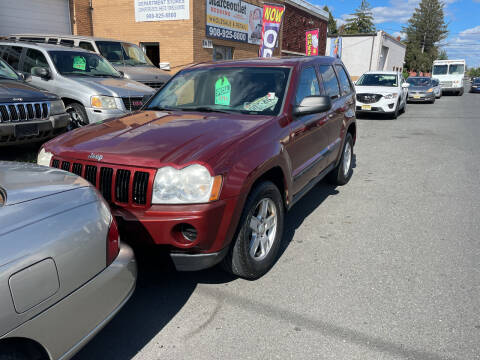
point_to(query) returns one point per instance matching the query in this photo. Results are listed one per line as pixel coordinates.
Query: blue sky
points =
(463, 17)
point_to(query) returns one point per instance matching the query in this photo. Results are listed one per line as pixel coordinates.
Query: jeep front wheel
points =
(259, 234)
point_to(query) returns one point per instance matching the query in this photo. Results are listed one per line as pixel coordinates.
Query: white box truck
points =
(450, 73)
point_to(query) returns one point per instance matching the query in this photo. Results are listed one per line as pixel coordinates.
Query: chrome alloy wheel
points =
(263, 226)
(347, 159)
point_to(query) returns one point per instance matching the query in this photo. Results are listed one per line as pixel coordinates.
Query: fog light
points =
(189, 232)
(391, 106)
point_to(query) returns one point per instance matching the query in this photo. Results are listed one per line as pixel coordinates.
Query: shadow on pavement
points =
(162, 292)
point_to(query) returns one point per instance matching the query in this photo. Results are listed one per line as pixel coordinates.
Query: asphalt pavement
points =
(386, 267)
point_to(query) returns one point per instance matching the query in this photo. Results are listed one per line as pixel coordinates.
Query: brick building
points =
(181, 42)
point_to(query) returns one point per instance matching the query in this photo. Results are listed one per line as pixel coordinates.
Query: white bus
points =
(450, 73)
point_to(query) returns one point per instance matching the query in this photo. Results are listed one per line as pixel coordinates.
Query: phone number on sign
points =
(213, 31)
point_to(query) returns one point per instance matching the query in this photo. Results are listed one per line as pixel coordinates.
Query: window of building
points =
(222, 53)
(345, 85)
(308, 85)
(34, 58)
(330, 83)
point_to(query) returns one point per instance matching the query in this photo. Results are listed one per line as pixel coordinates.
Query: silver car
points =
(125, 56)
(63, 272)
(88, 84)
(437, 88)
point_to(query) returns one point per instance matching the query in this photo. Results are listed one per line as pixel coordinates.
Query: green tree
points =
(425, 29)
(474, 72)
(361, 21)
(442, 55)
(332, 23)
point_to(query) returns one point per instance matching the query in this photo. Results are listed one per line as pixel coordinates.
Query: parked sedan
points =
(475, 87)
(421, 89)
(63, 272)
(382, 92)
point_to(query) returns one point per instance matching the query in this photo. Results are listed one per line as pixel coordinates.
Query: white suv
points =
(381, 92)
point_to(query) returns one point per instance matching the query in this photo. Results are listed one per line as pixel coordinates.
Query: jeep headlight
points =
(57, 107)
(44, 157)
(191, 185)
(390, 96)
(103, 102)
(430, 90)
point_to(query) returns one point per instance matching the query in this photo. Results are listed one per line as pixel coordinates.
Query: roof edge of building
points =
(306, 6)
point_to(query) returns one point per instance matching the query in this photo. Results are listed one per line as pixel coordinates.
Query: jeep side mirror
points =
(41, 72)
(313, 105)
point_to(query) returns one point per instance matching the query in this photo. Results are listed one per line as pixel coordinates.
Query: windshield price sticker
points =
(222, 91)
(79, 63)
(263, 103)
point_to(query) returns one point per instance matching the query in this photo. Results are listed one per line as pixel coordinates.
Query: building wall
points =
(363, 53)
(81, 18)
(116, 20)
(356, 54)
(295, 23)
(396, 54)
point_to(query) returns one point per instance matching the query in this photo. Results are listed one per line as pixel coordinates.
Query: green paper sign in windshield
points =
(79, 63)
(222, 91)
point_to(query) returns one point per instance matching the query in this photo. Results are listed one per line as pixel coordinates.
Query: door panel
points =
(308, 138)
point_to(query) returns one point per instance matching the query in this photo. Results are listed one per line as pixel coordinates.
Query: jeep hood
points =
(154, 138)
(13, 89)
(114, 87)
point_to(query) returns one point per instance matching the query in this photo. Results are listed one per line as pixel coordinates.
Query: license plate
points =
(366, 107)
(26, 130)
(416, 96)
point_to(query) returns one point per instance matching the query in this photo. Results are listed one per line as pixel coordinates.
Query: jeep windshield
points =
(248, 90)
(378, 80)
(123, 53)
(6, 72)
(82, 64)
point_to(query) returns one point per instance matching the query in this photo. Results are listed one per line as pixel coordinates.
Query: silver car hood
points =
(144, 73)
(22, 182)
(114, 87)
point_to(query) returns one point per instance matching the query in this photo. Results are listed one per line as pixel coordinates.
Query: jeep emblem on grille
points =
(97, 157)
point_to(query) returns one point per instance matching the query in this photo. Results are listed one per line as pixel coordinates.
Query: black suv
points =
(27, 114)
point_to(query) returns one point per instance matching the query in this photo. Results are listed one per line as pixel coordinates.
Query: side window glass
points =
(34, 58)
(308, 85)
(86, 45)
(344, 81)
(330, 83)
(11, 55)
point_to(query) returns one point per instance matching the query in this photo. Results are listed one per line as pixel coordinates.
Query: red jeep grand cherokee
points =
(214, 159)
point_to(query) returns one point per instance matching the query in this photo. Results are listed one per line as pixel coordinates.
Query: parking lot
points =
(385, 267)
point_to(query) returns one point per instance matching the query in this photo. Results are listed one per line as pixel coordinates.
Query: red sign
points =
(311, 42)
(272, 19)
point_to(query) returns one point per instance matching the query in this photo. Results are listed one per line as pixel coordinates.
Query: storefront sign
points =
(311, 42)
(161, 10)
(234, 20)
(336, 47)
(272, 19)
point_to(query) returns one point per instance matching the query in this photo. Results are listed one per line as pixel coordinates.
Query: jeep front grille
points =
(16, 112)
(117, 185)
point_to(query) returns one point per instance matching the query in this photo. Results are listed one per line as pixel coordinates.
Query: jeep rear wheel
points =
(259, 234)
(342, 173)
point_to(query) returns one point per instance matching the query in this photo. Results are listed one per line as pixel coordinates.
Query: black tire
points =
(337, 176)
(78, 115)
(239, 260)
(432, 101)
(404, 108)
(394, 115)
(460, 93)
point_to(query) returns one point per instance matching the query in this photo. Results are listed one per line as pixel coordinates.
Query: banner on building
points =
(336, 47)
(161, 10)
(234, 20)
(311, 42)
(272, 20)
